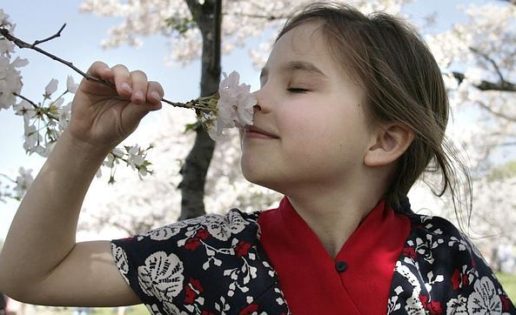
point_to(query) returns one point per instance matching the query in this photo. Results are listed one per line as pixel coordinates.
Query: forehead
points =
(307, 44)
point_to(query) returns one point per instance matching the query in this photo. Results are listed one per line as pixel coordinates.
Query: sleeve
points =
(440, 271)
(205, 265)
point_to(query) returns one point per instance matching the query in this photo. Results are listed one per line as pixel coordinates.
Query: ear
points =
(389, 143)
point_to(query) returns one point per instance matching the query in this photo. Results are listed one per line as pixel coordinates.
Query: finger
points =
(122, 80)
(139, 87)
(154, 95)
(98, 70)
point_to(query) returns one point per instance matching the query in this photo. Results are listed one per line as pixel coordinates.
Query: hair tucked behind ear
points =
(403, 84)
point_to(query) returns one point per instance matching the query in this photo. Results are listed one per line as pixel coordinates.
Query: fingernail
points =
(126, 87)
(138, 95)
(155, 95)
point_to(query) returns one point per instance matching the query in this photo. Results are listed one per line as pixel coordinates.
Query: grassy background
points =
(509, 284)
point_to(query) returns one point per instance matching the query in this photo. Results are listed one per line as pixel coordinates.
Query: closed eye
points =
(297, 90)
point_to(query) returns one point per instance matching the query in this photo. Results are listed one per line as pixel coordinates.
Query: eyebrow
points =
(296, 65)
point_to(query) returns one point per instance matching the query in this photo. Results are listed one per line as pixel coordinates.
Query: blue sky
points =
(80, 43)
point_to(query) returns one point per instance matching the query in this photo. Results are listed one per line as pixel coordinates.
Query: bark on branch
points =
(484, 85)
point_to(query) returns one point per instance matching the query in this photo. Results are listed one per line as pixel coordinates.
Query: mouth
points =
(256, 132)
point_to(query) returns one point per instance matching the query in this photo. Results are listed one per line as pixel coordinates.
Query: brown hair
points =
(403, 84)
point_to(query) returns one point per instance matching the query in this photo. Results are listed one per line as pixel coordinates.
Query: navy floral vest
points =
(215, 265)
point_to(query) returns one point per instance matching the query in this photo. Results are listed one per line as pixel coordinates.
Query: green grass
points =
(508, 282)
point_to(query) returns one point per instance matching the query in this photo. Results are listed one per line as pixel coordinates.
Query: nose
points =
(262, 103)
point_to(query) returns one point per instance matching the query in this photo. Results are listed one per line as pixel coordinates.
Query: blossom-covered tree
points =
(477, 59)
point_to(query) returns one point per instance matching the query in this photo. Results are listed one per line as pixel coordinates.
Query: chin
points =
(261, 179)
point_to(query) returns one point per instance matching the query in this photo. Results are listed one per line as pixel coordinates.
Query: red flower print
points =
(192, 244)
(459, 280)
(433, 307)
(409, 252)
(465, 280)
(192, 290)
(455, 279)
(196, 284)
(506, 303)
(202, 234)
(249, 309)
(205, 312)
(242, 248)
(190, 295)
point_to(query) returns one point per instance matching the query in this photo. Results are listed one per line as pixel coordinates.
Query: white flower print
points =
(457, 306)
(414, 305)
(161, 276)
(121, 260)
(461, 243)
(172, 309)
(222, 227)
(484, 300)
(163, 233)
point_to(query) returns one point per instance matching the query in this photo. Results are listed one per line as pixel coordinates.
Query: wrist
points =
(81, 151)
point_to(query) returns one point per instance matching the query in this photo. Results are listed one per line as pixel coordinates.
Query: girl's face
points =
(310, 129)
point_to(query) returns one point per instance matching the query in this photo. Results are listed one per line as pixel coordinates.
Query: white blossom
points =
(33, 140)
(26, 110)
(71, 86)
(235, 105)
(50, 88)
(135, 156)
(23, 181)
(4, 19)
(10, 80)
(64, 115)
(6, 47)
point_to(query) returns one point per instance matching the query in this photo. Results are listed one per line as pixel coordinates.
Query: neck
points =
(334, 216)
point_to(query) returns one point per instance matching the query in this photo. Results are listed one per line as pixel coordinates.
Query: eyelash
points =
(297, 90)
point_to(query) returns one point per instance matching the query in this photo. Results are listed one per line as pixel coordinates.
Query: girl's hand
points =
(103, 116)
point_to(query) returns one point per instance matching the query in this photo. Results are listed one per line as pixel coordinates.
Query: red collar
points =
(309, 276)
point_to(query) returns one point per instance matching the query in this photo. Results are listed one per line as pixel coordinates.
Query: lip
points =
(259, 133)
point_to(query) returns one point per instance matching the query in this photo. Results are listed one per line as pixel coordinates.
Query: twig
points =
(490, 60)
(26, 99)
(498, 114)
(22, 44)
(58, 34)
(259, 16)
(9, 178)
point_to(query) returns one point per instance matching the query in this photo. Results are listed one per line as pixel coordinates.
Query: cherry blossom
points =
(23, 181)
(10, 80)
(50, 88)
(71, 86)
(235, 105)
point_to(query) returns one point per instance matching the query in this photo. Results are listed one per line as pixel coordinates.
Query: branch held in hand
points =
(193, 104)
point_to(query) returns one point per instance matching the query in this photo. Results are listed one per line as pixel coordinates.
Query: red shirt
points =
(357, 281)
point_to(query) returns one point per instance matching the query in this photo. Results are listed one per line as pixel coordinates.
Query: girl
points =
(350, 112)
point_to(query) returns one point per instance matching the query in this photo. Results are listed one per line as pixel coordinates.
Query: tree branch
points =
(490, 60)
(495, 113)
(484, 85)
(24, 45)
(26, 99)
(260, 16)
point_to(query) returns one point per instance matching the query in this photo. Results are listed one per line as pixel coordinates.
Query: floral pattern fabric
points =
(208, 265)
(215, 265)
(440, 272)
